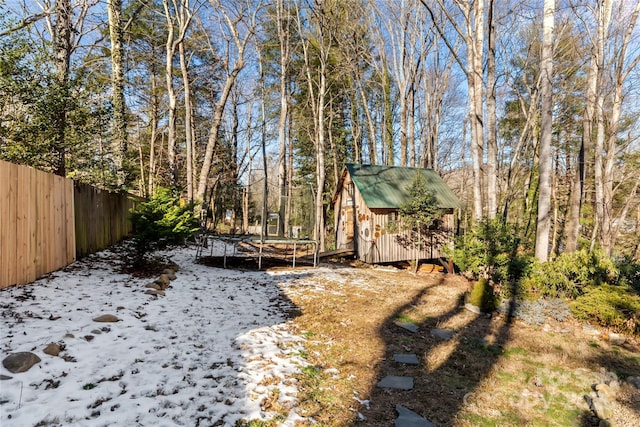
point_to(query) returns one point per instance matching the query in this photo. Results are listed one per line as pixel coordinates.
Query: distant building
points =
(366, 204)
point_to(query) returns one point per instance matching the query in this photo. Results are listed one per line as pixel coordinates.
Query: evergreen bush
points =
(161, 221)
(570, 274)
(482, 296)
(617, 307)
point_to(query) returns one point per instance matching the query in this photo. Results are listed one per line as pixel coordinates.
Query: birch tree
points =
(546, 123)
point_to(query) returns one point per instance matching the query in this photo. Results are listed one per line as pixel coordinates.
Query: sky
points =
(210, 351)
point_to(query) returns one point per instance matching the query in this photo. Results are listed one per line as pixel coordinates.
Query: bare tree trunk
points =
(247, 189)
(545, 165)
(171, 95)
(240, 43)
(621, 71)
(114, 12)
(283, 36)
(62, 49)
(182, 18)
(492, 145)
(604, 18)
(371, 142)
(154, 135)
(188, 118)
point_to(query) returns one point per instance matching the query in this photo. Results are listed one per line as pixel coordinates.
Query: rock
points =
(96, 332)
(616, 339)
(163, 281)
(605, 391)
(408, 418)
(69, 335)
(20, 362)
(634, 381)
(408, 359)
(154, 292)
(5, 377)
(153, 285)
(52, 349)
(106, 318)
(602, 408)
(411, 327)
(89, 338)
(442, 334)
(605, 423)
(396, 382)
(473, 308)
(590, 330)
(171, 274)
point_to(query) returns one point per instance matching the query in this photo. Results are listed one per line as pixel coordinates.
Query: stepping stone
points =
(411, 327)
(395, 382)
(408, 359)
(442, 334)
(408, 418)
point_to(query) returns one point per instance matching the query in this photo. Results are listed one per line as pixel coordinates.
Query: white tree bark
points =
(546, 123)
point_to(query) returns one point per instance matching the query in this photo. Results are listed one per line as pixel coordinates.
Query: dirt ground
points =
(492, 372)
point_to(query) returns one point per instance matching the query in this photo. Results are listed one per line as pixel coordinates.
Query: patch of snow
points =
(198, 356)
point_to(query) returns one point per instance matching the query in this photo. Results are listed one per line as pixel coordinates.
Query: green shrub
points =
(628, 273)
(482, 296)
(161, 221)
(570, 274)
(617, 307)
(491, 250)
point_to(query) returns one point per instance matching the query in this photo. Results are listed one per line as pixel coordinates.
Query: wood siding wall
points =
(45, 223)
(374, 241)
(36, 224)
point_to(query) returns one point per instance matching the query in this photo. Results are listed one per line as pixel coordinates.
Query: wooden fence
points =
(101, 218)
(45, 223)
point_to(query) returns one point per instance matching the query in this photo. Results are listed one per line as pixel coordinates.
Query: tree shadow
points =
(450, 370)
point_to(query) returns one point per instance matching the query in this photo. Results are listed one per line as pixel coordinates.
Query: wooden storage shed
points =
(366, 204)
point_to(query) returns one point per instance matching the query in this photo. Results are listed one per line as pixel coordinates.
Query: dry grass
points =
(491, 373)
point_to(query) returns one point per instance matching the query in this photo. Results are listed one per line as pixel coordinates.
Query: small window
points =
(392, 217)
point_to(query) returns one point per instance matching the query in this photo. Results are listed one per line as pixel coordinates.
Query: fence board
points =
(101, 218)
(46, 221)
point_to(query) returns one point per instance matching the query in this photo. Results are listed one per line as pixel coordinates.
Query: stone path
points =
(406, 417)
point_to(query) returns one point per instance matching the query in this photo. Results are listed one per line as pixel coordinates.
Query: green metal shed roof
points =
(384, 187)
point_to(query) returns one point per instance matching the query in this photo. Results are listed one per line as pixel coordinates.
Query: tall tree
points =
(237, 25)
(283, 16)
(61, 32)
(546, 124)
(114, 13)
(472, 31)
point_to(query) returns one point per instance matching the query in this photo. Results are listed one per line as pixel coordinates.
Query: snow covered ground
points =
(211, 352)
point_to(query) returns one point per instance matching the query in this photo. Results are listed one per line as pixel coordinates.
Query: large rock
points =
(153, 285)
(20, 362)
(154, 292)
(106, 318)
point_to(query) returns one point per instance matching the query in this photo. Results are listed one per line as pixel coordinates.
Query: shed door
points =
(348, 223)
